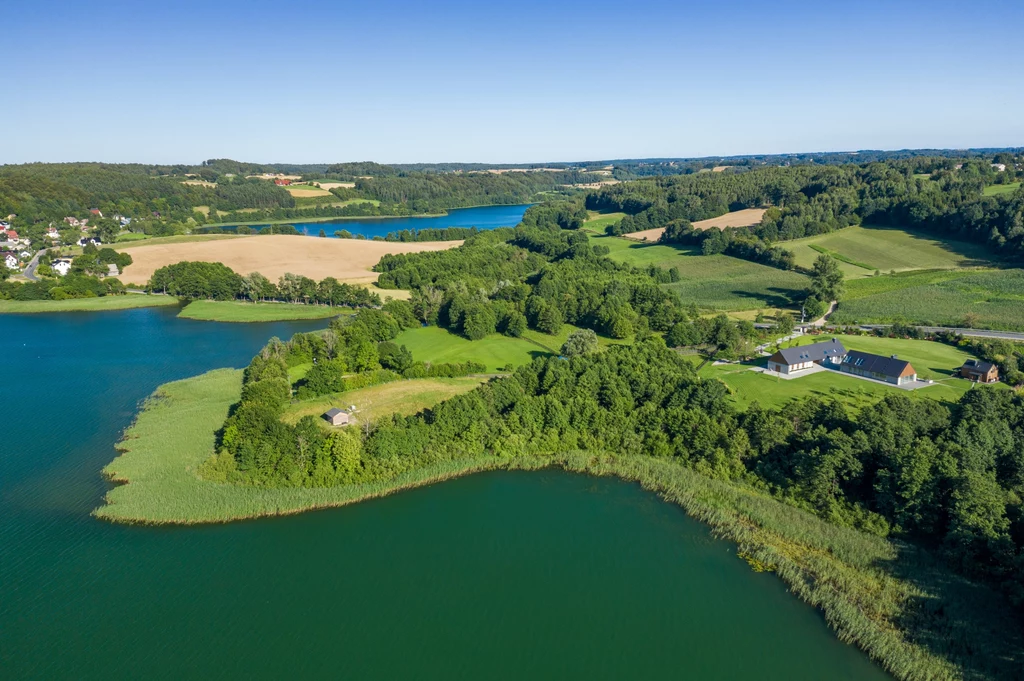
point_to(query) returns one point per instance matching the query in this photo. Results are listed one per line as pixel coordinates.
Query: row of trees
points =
(216, 281)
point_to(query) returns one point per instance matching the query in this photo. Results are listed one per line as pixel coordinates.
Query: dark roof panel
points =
(815, 352)
(876, 364)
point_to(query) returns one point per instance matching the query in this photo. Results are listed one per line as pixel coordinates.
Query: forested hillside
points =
(929, 194)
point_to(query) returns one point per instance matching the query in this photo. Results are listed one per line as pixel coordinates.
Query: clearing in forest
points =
(306, 191)
(713, 282)
(738, 218)
(273, 255)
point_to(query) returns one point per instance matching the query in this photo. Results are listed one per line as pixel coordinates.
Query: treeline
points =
(73, 285)
(216, 281)
(437, 192)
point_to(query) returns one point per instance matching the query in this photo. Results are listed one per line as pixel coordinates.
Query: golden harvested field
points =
(739, 218)
(333, 185)
(273, 255)
(304, 190)
(200, 183)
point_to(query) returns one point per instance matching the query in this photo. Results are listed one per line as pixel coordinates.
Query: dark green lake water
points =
(496, 576)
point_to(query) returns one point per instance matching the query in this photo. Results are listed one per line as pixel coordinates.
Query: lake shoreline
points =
(840, 571)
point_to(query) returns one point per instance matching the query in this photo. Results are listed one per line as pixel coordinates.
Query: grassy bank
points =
(125, 302)
(894, 601)
(241, 311)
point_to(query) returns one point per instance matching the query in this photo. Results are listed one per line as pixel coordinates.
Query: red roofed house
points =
(281, 182)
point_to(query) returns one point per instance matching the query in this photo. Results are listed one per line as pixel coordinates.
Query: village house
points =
(52, 233)
(792, 360)
(10, 260)
(73, 222)
(95, 240)
(982, 372)
(889, 369)
(336, 417)
(61, 267)
(96, 212)
(282, 182)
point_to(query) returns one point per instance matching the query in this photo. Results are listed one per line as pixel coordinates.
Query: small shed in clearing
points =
(336, 417)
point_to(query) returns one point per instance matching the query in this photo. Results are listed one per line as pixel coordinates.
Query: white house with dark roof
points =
(803, 357)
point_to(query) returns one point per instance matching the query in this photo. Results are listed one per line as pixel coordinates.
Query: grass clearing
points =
(434, 344)
(597, 222)
(1000, 189)
(879, 594)
(242, 311)
(132, 236)
(306, 190)
(863, 249)
(126, 302)
(400, 397)
(988, 298)
(715, 282)
(747, 217)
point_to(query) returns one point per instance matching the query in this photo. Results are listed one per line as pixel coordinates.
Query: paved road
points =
(30, 271)
(977, 333)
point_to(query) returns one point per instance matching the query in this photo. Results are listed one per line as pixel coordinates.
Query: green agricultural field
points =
(400, 397)
(715, 282)
(124, 302)
(434, 344)
(933, 361)
(986, 298)
(598, 221)
(240, 311)
(862, 250)
(998, 189)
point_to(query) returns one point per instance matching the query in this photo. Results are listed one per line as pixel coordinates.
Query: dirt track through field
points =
(347, 260)
(739, 218)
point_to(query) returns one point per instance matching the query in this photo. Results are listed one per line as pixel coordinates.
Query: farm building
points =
(982, 372)
(336, 417)
(792, 360)
(889, 369)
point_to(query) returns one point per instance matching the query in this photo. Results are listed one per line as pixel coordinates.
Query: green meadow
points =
(714, 282)
(998, 189)
(598, 221)
(985, 298)
(863, 249)
(437, 345)
(242, 311)
(125, 302)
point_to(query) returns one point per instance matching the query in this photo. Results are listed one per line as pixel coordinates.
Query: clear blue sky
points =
(520, 81)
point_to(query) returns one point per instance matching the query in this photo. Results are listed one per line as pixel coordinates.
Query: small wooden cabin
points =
(336, 417)
(982, 372)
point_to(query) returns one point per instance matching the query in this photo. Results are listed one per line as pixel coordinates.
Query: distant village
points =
(18, 252)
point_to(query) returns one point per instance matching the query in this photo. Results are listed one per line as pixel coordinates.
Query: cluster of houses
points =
(13, 248)
(832, 354)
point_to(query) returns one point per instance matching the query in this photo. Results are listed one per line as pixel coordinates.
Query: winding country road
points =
(30, 270)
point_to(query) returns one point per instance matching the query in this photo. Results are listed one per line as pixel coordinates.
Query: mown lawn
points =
(715, 282)
(932, 361)
(241, 311)
(125, 302)
(887, 249)
(988, 298)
